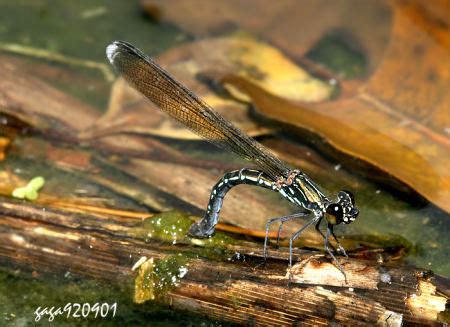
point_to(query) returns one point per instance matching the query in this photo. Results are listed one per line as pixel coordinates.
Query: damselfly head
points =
(342, 211)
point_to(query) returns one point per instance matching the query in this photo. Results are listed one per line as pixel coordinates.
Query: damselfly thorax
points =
(273, 174)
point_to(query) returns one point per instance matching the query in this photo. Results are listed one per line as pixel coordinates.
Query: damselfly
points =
(184, 106)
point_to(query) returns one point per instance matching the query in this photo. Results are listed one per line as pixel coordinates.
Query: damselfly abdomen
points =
(181, 104)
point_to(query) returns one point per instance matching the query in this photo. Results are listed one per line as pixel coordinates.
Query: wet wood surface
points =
(232, 286)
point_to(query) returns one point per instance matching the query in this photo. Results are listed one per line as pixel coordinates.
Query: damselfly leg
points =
(330, 226)
(282, 220)
(297, 234)
(316, 220)
(327, 249)
(340, 247)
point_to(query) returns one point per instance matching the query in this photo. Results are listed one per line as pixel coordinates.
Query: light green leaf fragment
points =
(29, 192)
(19, 192)
(31, 195)
(36, 183)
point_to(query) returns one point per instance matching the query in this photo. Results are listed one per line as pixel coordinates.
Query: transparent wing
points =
(181, 104)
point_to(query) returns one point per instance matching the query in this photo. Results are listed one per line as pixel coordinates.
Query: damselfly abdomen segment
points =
(181, 104)
(206, 226)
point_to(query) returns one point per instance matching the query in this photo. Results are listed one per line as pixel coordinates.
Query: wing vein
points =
(184, 106)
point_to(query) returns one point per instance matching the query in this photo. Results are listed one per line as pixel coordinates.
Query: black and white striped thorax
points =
(304, 193)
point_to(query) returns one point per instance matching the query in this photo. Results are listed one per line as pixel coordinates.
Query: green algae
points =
(157, 277)
(173, 226)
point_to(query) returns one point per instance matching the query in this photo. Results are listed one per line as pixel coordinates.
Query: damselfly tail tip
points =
(111, 51)
(199, 230)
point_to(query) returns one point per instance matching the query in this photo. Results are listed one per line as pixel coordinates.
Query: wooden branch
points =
(219, 278)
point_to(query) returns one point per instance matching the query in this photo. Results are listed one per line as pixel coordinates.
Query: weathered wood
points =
(226, 283)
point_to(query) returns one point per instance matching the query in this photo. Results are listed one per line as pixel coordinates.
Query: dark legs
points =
(316, 220)
(297, 234)
(282, 220)
(327, 245)
(340, 247)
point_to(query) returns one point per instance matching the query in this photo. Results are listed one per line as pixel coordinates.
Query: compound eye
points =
(335, 210)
